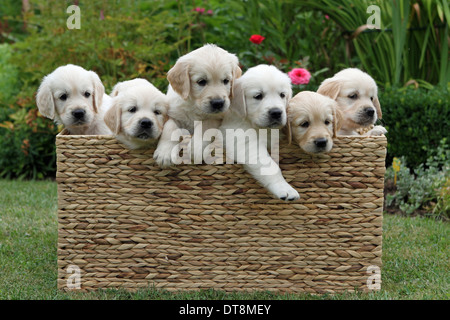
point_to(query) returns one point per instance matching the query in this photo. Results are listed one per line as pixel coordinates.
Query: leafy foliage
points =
(427, 188)
(8, 76)
(416, 120)
(11, 22)
(27, 146)
(411, 44)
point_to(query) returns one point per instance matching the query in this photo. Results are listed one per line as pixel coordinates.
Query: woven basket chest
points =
(126, 223)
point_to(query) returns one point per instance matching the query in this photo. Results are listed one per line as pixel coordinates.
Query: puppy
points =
(75, 98)
(123, 86)
(259, 101)
(137, 114)
(356, 94)
(200, 90)
(313, 121)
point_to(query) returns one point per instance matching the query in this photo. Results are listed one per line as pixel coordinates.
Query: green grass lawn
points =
(415, 255)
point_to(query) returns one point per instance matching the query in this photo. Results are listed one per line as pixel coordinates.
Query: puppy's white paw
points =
(284, 191)
(377, 131)
(163, 156)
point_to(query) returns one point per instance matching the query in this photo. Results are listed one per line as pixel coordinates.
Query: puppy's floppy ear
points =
(376, 103)
(99, 91)
(44, 100)
(115, 90)
(165, 113)
(113, 118)
(288, 122)
(237, 73)
(166, 118)
(337, 120)
(179, 79)
(238, 104)
(289, 94)
(330, 88)
(288, 129)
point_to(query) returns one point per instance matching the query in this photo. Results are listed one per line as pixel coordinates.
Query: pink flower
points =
(210, 12)
(327, 17)
(299, 76)
(102, 16)
(256, 39)
(199, 10)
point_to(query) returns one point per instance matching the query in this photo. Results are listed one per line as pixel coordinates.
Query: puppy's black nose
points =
(78, 114)
(275, 113)
(321, 142)
(146, 123)
(369, 112)
(217, 104)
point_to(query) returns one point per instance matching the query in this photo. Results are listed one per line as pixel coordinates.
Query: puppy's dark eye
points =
(327, 122)
(259, 96)
(353, 96)
(202, 82)
(87, 94)
(371, 98)
(63, 97)
(282, 95)
(226, 81)
(157, 112)
(304, 124)
(132, 109)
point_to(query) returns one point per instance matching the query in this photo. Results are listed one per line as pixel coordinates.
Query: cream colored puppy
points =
(259, 102)
(75, 98)
(137, 114)
(356, 94)
(313, 121)
(125, 85)
(200, 90)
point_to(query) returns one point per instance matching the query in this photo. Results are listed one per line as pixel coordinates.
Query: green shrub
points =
(416, 120)
(11, 22)
(27, 143)
(8, 76)
(427, 188)
(27, 146)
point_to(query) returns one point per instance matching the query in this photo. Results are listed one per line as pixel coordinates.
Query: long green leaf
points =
(445, 67)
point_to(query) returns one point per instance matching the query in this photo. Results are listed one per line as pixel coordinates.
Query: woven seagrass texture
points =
(127, 223)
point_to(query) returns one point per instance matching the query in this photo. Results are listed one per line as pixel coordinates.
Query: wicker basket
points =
(126, 223)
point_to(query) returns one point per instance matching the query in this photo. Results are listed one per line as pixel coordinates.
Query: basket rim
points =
(64, 133)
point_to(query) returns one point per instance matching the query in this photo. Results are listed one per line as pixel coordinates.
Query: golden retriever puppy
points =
(258, 109)
(137, 114)
(356, 94)
(200, 90)
(75, 98)
(313, 121)
(122, 86)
